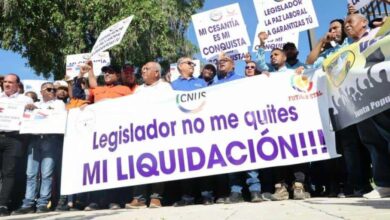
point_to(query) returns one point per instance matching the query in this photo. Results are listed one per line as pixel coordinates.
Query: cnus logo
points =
(191, 102)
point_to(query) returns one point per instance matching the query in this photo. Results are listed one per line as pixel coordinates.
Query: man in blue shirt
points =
(225, 70)
(186, 80)
(289, 56)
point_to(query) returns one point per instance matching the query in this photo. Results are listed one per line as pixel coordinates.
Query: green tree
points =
(45, 31)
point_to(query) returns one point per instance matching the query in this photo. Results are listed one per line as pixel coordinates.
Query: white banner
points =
(278, 42)
(218, 129)
(358, 4)
(111, 36)
(221, 30)
(43, 121)
(279, 17)
(74, 61)
(10, 115)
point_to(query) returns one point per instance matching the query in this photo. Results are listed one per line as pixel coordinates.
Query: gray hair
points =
(180, 60)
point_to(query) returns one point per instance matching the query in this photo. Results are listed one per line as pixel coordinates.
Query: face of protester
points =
(291, 53)
(207, 74)
(225, 65)
(110, 77)
(278, 58)
(250, 69)
(32, 95)
(127, 75)
(336, 29)
(62, 93)
(48, 92)
(355, 26)
(10, 85)
(150, 73)
(186, 67)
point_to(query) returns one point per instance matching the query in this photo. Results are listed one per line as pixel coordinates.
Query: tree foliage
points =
(45, 31)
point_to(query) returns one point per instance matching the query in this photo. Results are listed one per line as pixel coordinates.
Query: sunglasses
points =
(190, 63)
(50, 90)
(250, 67)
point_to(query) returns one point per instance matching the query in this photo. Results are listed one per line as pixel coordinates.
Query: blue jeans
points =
(42, 152)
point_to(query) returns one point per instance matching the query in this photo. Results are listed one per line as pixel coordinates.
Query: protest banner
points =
(218, 129)
(279, 18)
(359, 80)
(10, 115)
(74, 61)
(43, 121)
(175, 72)
(221, 30)
(276, 42)
(111, 36)
(358, 4)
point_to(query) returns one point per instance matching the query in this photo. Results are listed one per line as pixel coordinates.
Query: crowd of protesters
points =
(31, 164)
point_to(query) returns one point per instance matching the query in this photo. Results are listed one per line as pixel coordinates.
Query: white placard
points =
(221, 30)
(282, 17)
(74, 61)
(43, 121)
(214, 130)
(10, 115)
(175, 72)
(358, 4)
(277, 42)
(111, 36)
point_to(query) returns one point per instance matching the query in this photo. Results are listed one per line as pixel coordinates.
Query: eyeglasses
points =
(224, 60)
(189, 63)
(250, 67)
(50, 90)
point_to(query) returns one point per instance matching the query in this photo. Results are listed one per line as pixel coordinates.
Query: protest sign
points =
(175, 72)
(218, 129)
(10, 115)
(279, 18)
(359, 80)
(276, 42)
(43, 121)
(221, 30)
(111, 36)
(74, 61)
(358, 4)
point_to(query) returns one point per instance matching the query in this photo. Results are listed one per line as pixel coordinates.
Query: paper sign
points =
(10, 115)
(283, 17)
(358, 4)
(275, 42)
(221, 30)
(42, 121)
(111, 36)
(74, 61)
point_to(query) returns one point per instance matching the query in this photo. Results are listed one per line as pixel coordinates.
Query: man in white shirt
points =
(43, 151)
(11, 145)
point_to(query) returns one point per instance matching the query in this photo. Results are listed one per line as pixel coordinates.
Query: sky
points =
(326, 11)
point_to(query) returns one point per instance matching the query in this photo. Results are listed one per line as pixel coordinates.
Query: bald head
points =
(355, 26)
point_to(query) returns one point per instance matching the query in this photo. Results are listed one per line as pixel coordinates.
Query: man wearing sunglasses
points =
(225, 70)
(112, 87)
(186, 80)
(43, 151)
